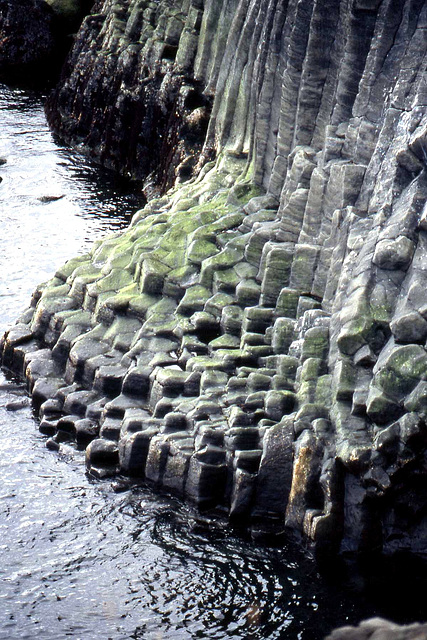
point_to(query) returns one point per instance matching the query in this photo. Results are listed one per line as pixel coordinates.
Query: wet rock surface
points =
(256, 338)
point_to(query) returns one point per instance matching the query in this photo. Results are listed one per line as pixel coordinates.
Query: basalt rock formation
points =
(133, 98)
(256, 338)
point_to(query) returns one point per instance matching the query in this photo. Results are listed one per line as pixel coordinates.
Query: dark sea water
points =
(78, 558)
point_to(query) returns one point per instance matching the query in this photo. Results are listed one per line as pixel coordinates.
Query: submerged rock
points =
(256, 338)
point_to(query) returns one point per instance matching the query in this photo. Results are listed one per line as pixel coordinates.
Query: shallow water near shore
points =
(78, 557)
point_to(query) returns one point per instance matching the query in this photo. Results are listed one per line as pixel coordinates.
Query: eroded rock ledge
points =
(256, 338)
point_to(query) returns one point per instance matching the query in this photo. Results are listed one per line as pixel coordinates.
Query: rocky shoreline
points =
(256, 338)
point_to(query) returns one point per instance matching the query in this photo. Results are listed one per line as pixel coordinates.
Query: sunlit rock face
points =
(256, 338)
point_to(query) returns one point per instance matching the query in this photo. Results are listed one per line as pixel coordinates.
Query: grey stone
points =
(242, 495)
(175, 421)
(394, 254)
(177, 465)
(275, 470)
(110, 429)
(48, 427)
(417, 400)
(133, 451)
(157, 458)
(86, 430)
(409, 328)
(102, 453)
(205, 482)
(380, 408)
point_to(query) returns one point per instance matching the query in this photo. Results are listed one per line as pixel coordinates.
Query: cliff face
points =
(256, 338)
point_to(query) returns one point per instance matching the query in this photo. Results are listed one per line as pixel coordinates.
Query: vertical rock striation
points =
(130, 94)
(256, 338)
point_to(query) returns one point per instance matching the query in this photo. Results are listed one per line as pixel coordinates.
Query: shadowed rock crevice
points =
(35, 37)
(256, 338)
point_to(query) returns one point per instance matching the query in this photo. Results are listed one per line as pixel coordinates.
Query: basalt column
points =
(256, 338)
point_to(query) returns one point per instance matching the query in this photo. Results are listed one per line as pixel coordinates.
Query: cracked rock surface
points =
(257, 338)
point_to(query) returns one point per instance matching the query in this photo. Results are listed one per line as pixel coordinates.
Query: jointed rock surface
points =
(256, 338)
